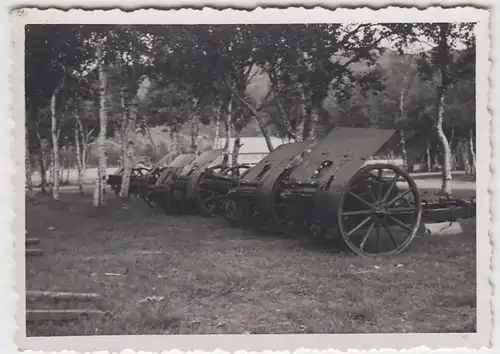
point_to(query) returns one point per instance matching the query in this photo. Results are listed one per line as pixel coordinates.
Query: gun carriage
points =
(137, 175)
(200, 185)
(163, 171)
(326, 188)
(143, 177)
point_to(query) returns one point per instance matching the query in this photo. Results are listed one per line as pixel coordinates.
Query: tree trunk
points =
(310, 132)
(443, 58)
(51, 170)
(63, 165)
(28, 171)
(257, 117)
(217, 127)
(123, 129)
(79, 165)
(236, 148)
(429, 160)
(43, 171)
(464, 153)
(68, 167)
(175, 144)
(55, 139)
(194, 131)
(151, 141)
(227, 125)
(301, 124)
(446, 151)
(101, 149)
(472, 151)
(404, 152)
(85, 148)
(128, 161)
(402, 118)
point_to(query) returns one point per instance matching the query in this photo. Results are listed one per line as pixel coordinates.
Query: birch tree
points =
(100, 186)
(27, 163)
(130, 133)
(57, 49)
(445, 65)
(55, 132)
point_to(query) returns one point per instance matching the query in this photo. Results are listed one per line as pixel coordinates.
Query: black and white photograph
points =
(300, 177)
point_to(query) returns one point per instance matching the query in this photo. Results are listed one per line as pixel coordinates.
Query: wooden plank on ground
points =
(33, 252)
(61, 315)
(52, 295)
(32, 241)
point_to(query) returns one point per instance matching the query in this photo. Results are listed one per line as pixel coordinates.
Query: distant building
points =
(252, 150)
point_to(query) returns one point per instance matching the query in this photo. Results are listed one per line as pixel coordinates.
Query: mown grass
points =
(211, 278)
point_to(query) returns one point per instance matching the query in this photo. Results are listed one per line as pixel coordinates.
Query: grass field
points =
(211, 278)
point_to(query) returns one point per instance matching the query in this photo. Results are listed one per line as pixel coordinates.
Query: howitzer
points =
(199, 186)
(137, 175)
(162, 172)
(142, 177)
(325, 188)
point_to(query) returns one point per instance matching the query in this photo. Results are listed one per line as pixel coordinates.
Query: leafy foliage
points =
(291, 76)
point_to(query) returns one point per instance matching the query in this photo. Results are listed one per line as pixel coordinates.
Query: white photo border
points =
(232, 343)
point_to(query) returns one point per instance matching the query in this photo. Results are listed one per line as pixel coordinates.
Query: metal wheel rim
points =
(413, 229)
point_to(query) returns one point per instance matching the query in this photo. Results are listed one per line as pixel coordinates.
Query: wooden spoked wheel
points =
(146, 195)
(139, 172)
(161, 192)
(379, 211)
(210, 199)
(150, 180)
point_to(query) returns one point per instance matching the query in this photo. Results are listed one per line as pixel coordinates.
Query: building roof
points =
(256, 145)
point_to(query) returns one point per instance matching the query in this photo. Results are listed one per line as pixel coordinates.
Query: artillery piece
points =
(162, 171)
(325, 188)
(143, 176)
(200, 185)
(137, 175)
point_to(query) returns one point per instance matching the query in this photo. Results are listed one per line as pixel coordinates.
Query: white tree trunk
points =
(472, 151)
(428, 153)
(85, 139)
(446, 150)
(194, 132)
(402, 113)
(217, 126)
(28, 170)
(55, 141)
(236, 148)
(313, 124)
(42, 171)
(100, 183)
(228, 125)
(128, 160)
(51, 170)
(79, 165)
(256, 115)
(123, 129)
(300, 125)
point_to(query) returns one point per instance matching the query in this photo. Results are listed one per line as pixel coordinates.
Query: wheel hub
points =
(380, 209)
